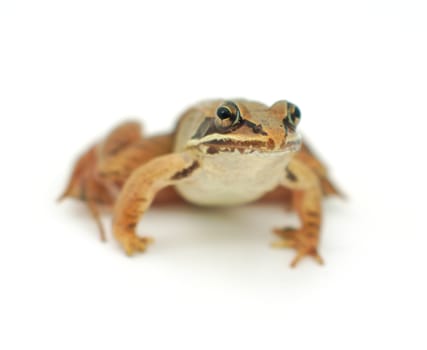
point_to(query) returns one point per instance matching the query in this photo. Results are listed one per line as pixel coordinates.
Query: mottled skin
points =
(221, 153)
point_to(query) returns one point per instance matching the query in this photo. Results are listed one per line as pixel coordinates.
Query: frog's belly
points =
(233, 178)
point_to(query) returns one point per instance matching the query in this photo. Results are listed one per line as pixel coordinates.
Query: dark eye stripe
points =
(207, 127)
(257, 129)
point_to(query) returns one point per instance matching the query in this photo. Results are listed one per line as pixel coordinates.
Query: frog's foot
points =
(303, 241)
(131, 243)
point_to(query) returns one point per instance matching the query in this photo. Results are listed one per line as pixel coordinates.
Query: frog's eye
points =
(228, 116)
(294, 115)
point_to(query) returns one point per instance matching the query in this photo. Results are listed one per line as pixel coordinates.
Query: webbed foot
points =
(134, 244)
(302, 240)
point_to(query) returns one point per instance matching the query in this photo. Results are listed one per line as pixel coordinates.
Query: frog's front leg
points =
(307, 193)
(140, 190)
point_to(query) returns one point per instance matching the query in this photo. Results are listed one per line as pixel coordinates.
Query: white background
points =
(71, 71)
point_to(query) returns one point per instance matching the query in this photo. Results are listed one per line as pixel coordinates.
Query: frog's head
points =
(249, 127)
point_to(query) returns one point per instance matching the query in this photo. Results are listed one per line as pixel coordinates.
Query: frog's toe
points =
(303, 242)
(303, 253)
(133, 244)
(287, 233)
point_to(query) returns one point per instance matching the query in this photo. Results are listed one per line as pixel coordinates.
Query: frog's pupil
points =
(297, 112)
(223, 113)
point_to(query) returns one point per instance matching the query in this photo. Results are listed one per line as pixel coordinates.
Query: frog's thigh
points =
(140, 190)
(121, 163)
(120, 137)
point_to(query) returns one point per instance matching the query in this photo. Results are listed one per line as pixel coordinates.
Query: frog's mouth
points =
(219, 143)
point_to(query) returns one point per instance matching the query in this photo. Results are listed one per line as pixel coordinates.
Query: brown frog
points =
(221, 153)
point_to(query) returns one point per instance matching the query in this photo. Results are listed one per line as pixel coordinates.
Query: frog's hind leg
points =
(86, 168)
(84, 185)
(101, 172)
(309, 158)
(121, 137)
(85, 182)
(94, 210)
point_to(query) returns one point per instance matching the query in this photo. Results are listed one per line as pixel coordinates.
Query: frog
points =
(222, 152)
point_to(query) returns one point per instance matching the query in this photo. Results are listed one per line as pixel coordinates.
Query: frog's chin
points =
(234, 145)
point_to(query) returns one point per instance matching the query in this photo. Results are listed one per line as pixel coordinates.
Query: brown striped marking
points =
(186, 172)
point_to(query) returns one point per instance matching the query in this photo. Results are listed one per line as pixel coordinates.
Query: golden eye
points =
(224, 112)
(228, 115)
(294, 115)
(292, 118)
